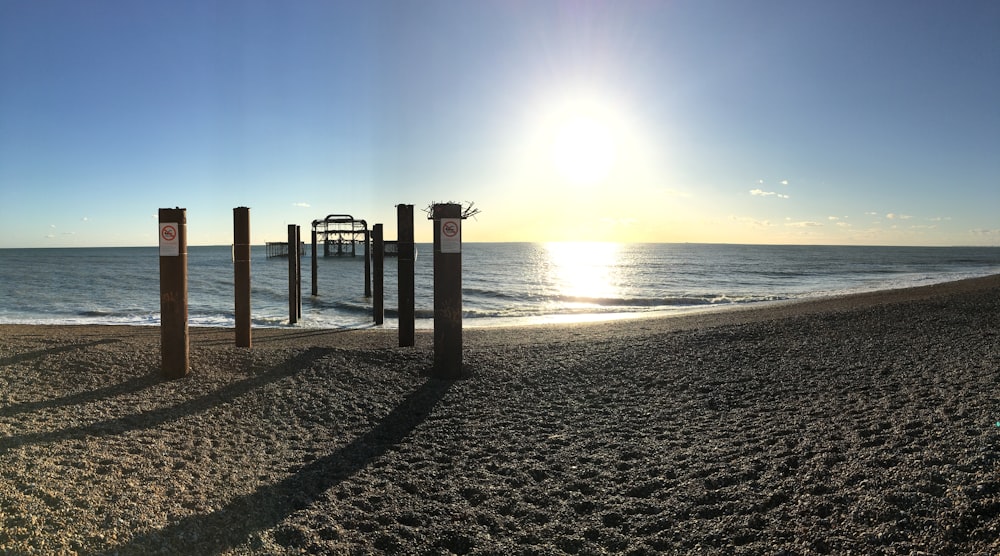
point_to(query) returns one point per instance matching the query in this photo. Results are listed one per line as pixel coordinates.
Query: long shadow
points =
(270, 504)
(283, 335)
(287, 334)
(157, 417)
(22, 357)
(120, 389)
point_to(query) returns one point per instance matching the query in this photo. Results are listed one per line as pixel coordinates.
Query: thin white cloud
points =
(843, 224)
(871, 214)
(940, 219)
(783, 182)
(762, 193)
(803, 224)
(302, 205)
(985, 232)
(85, 219)
(833, 218)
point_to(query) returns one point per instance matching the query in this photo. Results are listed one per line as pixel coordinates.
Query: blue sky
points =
(847, 122)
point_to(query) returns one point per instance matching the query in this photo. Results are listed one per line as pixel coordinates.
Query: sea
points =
(502, 283)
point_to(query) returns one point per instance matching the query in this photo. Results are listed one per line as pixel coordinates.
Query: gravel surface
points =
(867, 425)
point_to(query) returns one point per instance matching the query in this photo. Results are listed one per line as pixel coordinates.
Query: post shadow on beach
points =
(23, 357)
(150, 419)
(232, 524)
(127, 387)
(89, 396)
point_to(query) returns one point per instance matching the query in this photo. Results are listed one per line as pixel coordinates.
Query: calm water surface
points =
(503, 283)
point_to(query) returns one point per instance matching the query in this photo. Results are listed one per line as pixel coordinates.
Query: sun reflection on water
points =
(583, 273)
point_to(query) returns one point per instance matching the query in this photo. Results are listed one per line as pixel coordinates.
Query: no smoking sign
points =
(451, 235)
(170, 245)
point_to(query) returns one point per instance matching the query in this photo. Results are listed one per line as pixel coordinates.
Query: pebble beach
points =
(864, 424)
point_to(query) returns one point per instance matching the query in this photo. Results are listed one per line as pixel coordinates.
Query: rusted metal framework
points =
(340, 235)
(280, 249)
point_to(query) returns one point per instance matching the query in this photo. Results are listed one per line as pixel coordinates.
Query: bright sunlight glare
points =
(583, 272)
(584, 142)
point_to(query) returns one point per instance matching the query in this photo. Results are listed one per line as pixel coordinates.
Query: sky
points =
(766, 121)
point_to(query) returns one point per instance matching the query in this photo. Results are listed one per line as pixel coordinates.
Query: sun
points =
(584, 144)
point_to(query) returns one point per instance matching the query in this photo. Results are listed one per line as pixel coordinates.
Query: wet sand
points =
(867, 424)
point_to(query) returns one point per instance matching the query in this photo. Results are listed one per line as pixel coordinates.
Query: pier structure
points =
(280, 249)
(340, 234)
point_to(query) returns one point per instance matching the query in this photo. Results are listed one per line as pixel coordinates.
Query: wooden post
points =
(378, 261)
(293, 257)
(447, 290)
(241, 269)
(405, 263)
(314, 271)
(368, 262)
(298, 271)
(174, 341)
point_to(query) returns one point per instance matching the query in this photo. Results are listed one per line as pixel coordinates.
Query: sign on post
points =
(451, 235)
(170, 241)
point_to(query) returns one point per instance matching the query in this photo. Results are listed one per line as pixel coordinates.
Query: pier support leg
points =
(241, 269)
(174, 342)
(293, 274)
(378, 262)
(313, 269)
(368, 264)
(447, 290)
(405, 263)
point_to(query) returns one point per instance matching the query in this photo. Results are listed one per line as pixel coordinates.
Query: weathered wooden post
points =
(174, 344)
(298, 271)
(368, 262)
(293, 274)
(378, 262)
(447, 290)
(241, 270)
(405, 257)
(314, 271)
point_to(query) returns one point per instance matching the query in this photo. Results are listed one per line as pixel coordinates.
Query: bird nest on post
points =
(468, 209)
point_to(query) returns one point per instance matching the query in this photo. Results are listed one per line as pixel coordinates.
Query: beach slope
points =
(867, 424)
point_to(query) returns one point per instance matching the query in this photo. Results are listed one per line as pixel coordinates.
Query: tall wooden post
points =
(405, 263)
(378, 262)
(447, 290)
(298, 271)
(313, 269)
(293, 275)
(241, 269)
(368, 262)
(174, 342)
